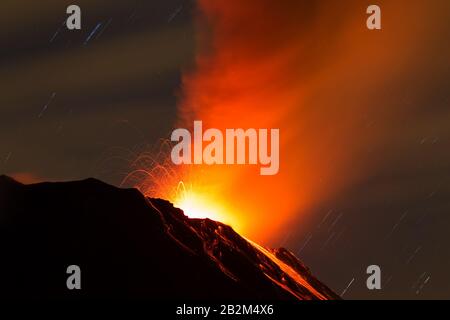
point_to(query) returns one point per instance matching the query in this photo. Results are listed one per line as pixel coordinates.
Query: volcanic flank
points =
(130, 246)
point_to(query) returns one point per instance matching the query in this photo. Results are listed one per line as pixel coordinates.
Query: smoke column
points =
(313, 70)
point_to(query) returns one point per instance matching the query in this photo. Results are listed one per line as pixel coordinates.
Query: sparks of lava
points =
(157, 177)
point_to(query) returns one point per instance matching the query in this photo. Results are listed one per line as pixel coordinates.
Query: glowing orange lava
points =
(157, 177)
(198, 204)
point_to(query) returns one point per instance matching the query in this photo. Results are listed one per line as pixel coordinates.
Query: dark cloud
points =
(116, 90)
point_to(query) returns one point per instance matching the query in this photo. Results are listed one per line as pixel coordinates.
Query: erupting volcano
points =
(219, 138)
(128, 245)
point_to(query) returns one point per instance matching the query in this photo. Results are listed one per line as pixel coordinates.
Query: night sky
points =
(76, 104)
(69, 98)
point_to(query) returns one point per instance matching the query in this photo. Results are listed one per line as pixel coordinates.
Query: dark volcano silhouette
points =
(130, 246)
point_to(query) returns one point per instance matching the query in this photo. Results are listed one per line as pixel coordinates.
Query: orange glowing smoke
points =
(311, 69)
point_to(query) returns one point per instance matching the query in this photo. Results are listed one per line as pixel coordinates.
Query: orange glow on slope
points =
(289, 271)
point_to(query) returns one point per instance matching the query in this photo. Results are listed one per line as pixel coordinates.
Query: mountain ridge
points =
(131, 246)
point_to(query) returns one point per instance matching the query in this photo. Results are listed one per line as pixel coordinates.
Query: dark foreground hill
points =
(129, 246)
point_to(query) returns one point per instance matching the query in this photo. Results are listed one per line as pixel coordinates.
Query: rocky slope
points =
(129, 246)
